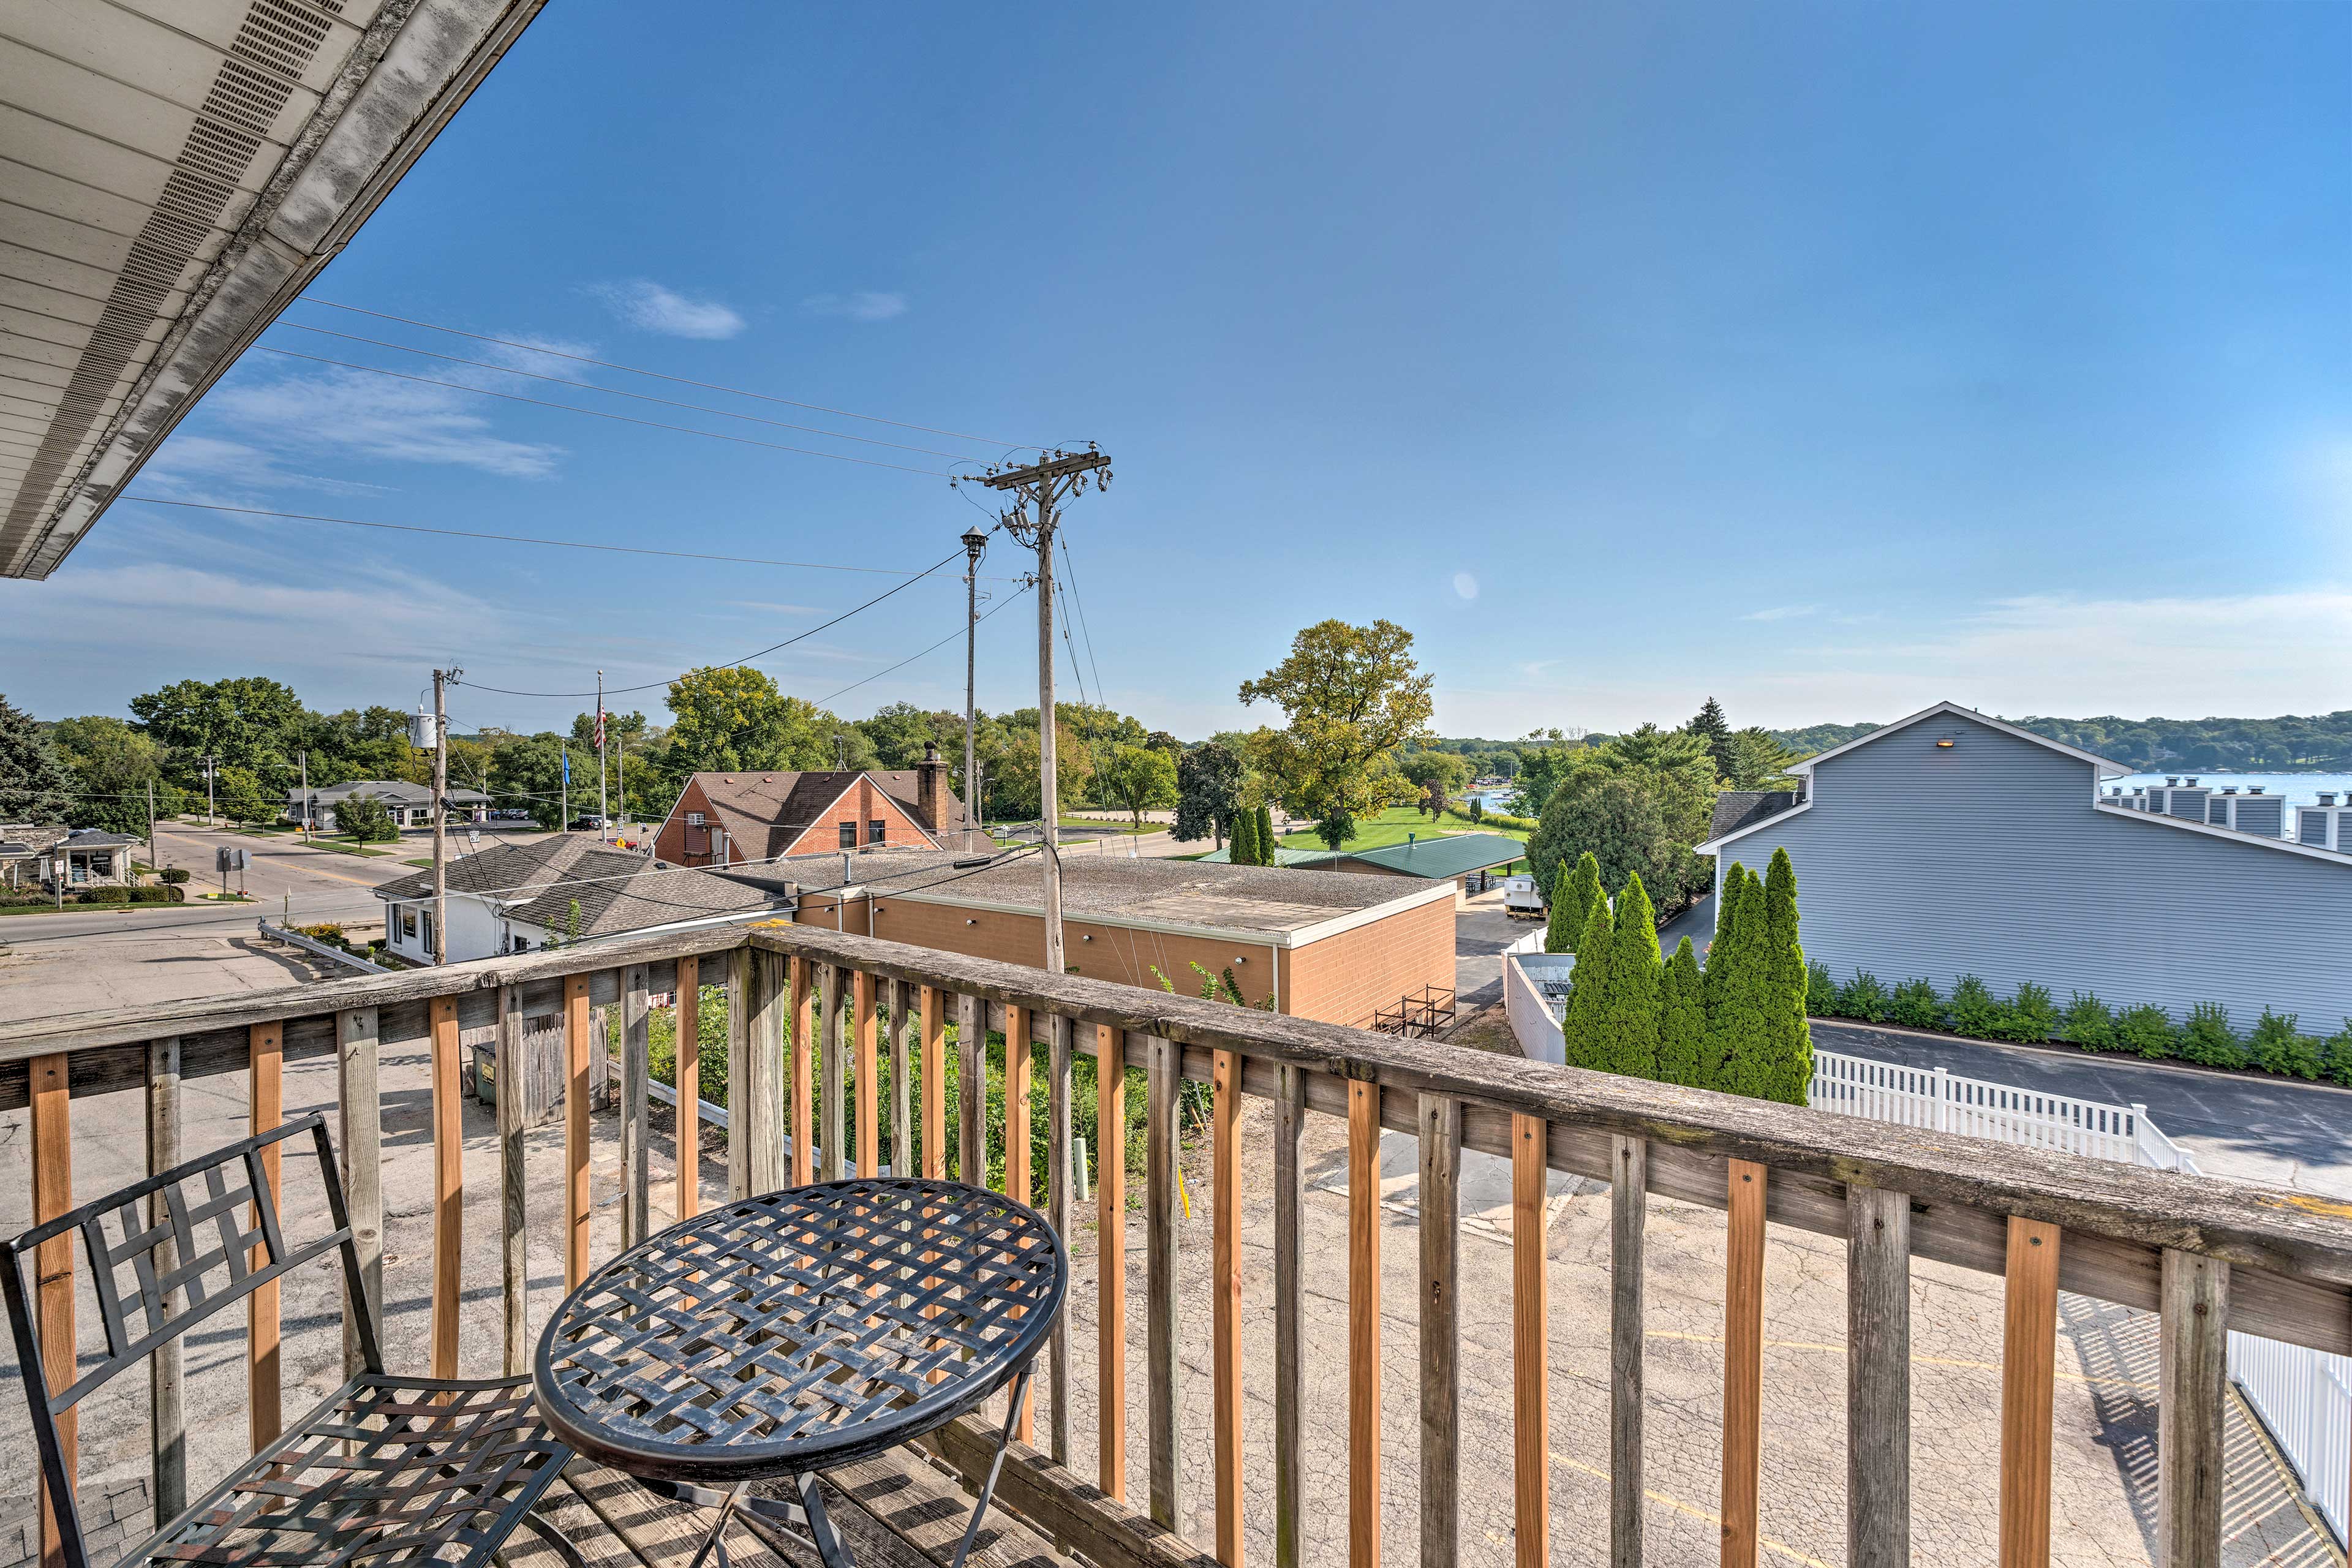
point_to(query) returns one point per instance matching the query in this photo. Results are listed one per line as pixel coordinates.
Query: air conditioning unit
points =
(2327, 826)
(2254, 811)
(2185, 801)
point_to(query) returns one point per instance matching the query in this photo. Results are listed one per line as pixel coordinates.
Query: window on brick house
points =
(877, 830)
(694, 819)
(849, 836)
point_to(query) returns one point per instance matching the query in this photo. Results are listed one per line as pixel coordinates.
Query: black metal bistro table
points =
(784, 1335)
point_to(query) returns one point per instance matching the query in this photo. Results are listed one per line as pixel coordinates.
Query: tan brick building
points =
(1321, 945)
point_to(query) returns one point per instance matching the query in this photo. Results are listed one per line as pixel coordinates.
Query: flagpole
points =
(564, 753)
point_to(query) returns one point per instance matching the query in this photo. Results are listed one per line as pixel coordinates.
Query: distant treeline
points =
(2289, 743)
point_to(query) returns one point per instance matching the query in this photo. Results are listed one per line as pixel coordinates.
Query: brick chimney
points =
(931, 787)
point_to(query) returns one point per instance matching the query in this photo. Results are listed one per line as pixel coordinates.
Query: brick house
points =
(1317, 944)
(726, 819)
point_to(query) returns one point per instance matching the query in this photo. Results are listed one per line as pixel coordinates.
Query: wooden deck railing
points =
(2206, 1255)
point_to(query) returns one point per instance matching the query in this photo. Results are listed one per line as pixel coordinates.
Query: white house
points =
(520, 897)
(411, 805)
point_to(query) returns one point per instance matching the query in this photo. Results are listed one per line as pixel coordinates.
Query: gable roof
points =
(618, 889)
(1940, 709)
(511, 871)
(766, 812)
(1739, 809)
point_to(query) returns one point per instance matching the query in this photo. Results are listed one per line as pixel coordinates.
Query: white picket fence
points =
(2305, 1399)
(1945, 1101)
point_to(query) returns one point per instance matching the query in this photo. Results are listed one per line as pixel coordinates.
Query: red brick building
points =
(732, 819)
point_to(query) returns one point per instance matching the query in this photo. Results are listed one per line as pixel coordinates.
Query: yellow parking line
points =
(1694, 1511)
(1915, 1361)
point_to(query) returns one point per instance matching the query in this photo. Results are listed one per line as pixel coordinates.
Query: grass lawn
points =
(1390, 827)
(1118, 824)
(424, 865)
(334, 848)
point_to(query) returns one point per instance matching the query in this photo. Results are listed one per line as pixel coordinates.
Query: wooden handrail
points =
(2209, 1256)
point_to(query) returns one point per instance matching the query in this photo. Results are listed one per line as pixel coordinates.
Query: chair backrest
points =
(194, 1240)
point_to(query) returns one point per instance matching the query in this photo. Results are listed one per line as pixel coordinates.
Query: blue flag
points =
(567, 766)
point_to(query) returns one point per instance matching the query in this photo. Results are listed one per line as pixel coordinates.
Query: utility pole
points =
(211, 767)
(974, 543)
(306, 797)
(152, 864)
(1032, 520)
(603, 805)
(441, 814)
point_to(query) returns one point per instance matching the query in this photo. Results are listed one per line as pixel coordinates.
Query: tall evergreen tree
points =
(1263, 837)
(1243, 848)
(1630, 1042)
(1722, 965)
(35, 785)
(1584, 1027)
(1748, 1035)
(1783, 993)
(1682, 1019)
(1567, 915)
(1710, 725)
(1585, 887)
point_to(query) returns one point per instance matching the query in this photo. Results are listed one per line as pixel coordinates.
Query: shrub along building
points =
(726, 819)
(1314, 944)
(1949, 843)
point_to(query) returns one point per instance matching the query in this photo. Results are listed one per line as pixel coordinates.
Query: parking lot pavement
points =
(1481, 932)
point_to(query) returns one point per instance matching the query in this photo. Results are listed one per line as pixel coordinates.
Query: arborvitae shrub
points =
(2207, 1040)
(1564, 923)
(1630, 1044)
(1585, 1015)
(2030, 1017)
(2089, 1023)
(2148, 1030)
(1821, 992)
(1916, 1004)
(1865, 997)
(1976, 1010)
(1682, 1017)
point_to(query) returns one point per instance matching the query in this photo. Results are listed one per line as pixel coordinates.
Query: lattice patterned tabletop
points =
(812, 1327)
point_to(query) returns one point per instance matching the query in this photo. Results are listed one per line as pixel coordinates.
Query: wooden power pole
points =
(1032, 520)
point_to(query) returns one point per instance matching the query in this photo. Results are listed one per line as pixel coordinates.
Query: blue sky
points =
(1831, 358)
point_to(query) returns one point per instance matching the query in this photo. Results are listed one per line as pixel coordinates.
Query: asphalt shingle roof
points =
(618, 889)
(764, 814)
(1739, 808)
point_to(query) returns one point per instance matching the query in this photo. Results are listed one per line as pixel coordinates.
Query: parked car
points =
(587, 825)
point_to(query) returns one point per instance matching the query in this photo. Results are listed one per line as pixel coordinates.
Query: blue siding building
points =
(1949, 843)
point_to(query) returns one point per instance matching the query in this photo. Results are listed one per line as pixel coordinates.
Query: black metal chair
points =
(393, 1471)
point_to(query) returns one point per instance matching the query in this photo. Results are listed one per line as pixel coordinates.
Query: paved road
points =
(2279, 1131)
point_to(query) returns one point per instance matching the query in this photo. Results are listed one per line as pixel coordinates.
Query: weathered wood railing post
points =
(804, 1049)
(1363, 1323)
(514, 1205)
(1226, 1288)
(359, 1111)
(2192, 1397)
(1441, 1375)
(1289, 1315)
(1743, 1362)
(51, 1112)
(1530, 1359)
(971, 1090)
(1059, 1054)
(739, 991)
(449, 1176)
(902, 1109)
(265, 1367)
(637, 1076)
(1162, 1426)
(1878, 1378)
(835, 1136)
(167, 1414)
(688, 990)
(1629, 1214)
(2028, 1363)
(935, 1085)
(869, 1071)
(1110, 1243)
(764, 1056)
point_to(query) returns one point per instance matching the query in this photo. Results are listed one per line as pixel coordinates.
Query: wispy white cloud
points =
(864, 306)
(208, 468)
(1780, 613)
(350, 412)
(774, 609)
(1465, 585)
(651, 308)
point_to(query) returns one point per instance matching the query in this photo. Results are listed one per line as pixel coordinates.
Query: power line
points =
(600, 414)
(913, 657)
(655, 685)
(617, 392)
(529, 538)
(657, 376)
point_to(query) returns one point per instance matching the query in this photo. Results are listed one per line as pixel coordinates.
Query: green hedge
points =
(2276, 1044)
(1494, 820)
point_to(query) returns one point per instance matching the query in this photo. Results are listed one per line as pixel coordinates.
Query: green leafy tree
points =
(1791, 1046)
(1630, 1033)
(365, 819)
(1585, 1023)
(527, 773)
(899, 732)
(1353, 696)
(1713, 731)
(1639, 803)
(737, 721)
(1335, 825)
(1209, 780)
(35, 785)
(113, 766)
(1682, 1019)
(241, 797)
(358, 743)
(247, 722)
(1138, 779)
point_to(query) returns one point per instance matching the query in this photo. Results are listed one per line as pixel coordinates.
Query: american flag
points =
(600, 727)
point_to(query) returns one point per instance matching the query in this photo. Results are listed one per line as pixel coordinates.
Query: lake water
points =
(2300, 789)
